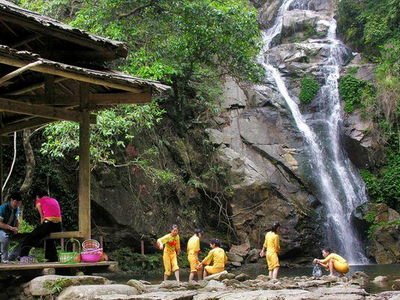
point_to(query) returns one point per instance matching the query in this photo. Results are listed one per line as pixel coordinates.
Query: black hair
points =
(327, 249)
(173, 226)
(215, 242)
(198, 231)
(40, 192)
(275, 226)
(16, 196)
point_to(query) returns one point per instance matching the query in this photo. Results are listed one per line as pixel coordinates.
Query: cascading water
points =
(339, 183)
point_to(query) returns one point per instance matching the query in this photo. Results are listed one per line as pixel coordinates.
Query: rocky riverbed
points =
(221, 287)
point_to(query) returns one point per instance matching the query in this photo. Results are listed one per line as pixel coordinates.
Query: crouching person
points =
(217, 257)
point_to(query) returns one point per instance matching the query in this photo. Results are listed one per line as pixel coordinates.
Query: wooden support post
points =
(62, 244)
(101, 242)
(84, 165)
(142, 247)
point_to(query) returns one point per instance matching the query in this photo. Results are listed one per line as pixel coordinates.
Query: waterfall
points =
(340, 187)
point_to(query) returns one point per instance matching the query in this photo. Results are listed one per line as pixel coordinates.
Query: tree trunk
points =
(30, 162)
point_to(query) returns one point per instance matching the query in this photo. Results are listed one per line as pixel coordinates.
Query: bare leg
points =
(166, 277)
(177, 275)
(191, 276)
(270, 274)
(275, 273)
(331, 268)
(205, 273)
(199, 274)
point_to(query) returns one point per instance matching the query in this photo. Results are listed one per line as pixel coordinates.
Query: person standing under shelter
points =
(193, 248)
(50, 221)
(271, 244)
(172, 248)
(9, 223)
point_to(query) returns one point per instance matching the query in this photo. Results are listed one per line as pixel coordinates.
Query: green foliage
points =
(370, 217)
(135, 262)
(177, 38)
(373, 185)
(374, 226)
(25, 227)
(353, 91)
(309, 89)
(59, 285)
(386, 186)
(369, 24)
(107, 136)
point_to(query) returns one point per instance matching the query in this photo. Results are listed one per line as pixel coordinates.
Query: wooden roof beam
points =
(31, 123)
(94, 99)
(58, 33)
(40, 111)
(32, 87)
(18, 72)
(43, 68)
(30, 38)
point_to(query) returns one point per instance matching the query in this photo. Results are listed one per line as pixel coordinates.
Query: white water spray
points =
(339, 184)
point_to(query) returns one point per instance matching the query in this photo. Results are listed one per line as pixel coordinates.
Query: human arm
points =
(40, 211)
(323, 262)
(207, 260)
(277, 244)
(4, 225)
(262, 253)
(8, 227)
(163, 240)
(178, 245)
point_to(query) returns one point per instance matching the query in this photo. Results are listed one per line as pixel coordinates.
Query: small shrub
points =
(353, 90)
(309, 89)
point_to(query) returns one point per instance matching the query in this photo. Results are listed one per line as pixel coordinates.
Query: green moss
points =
(353, 90)
(309, 89)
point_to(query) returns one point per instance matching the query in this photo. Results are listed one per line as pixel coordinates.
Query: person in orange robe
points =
(333, 261)
(271, 243)
(172, 247)
(193, 248)
(218, 258)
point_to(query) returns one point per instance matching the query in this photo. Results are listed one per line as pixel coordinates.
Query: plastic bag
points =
(317, 272)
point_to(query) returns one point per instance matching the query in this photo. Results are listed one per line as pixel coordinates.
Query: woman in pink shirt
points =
(50, 219)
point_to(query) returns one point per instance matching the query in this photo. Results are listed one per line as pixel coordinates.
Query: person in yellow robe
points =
(271, 244)
(218, 258)
(333, 261)
(172, 247)
(193, 248)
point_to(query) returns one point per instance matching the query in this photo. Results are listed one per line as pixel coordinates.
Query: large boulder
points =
(46, 285)
(92, 292)
(384, 244)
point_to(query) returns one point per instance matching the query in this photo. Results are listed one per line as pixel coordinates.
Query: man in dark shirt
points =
(9, 223)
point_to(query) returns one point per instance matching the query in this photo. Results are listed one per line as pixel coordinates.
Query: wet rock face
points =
(383, 244)
(261, 143)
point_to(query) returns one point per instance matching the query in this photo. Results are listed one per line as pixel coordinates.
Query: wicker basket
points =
(65, 257)
(90, 244)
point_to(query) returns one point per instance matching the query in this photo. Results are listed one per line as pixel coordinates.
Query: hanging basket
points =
(65, 257)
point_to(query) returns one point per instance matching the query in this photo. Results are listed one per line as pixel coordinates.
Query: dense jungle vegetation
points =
(373, 28)
(189, 45)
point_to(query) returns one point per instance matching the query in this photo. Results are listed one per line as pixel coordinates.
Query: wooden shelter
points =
(50, 72)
